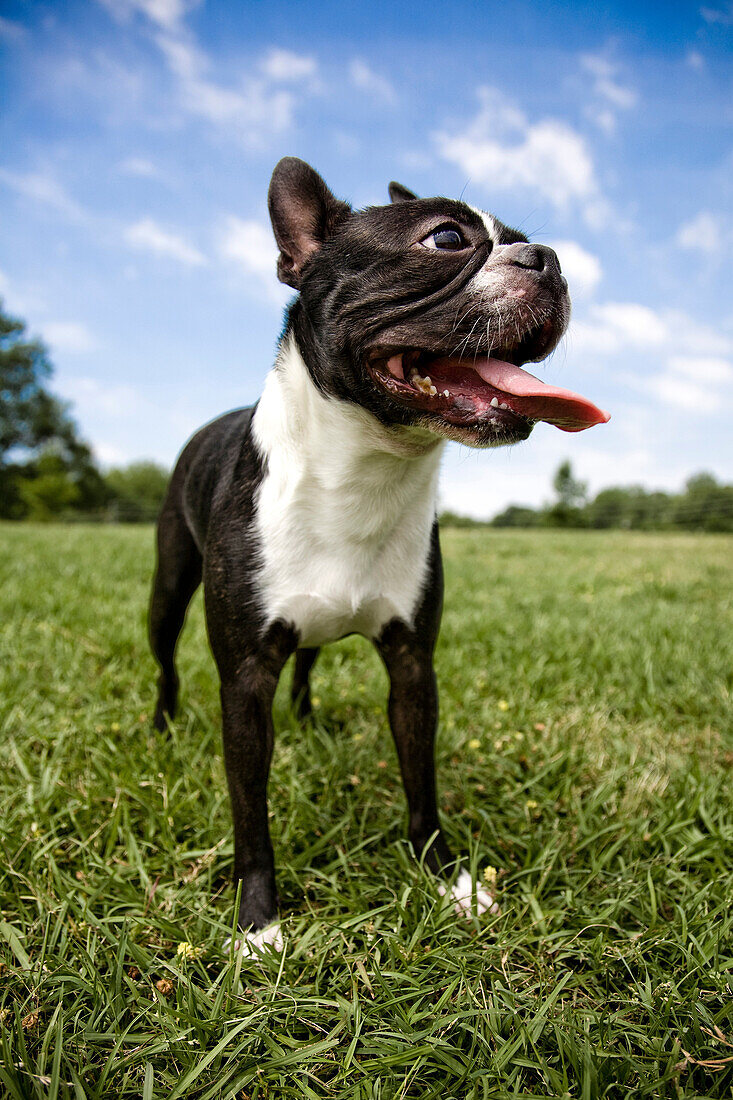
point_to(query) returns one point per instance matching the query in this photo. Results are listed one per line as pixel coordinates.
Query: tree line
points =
(48, 472)
(702, 505)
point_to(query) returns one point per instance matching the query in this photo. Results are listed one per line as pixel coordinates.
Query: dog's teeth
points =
(494, 403)
(425, 384)
(503, 406)
(446, 393)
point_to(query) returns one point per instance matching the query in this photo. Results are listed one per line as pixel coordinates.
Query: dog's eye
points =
(446, 238)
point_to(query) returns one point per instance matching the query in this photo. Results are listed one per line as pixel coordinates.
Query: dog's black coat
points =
(363, 286)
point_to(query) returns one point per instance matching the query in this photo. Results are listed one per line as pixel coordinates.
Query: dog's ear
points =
(398, 193)
(303, 213)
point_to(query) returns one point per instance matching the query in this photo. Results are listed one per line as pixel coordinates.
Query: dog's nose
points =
(534, 257)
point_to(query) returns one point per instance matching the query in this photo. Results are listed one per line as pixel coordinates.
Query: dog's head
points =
(423, 311)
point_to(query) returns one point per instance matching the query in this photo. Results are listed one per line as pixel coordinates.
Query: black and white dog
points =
(312, 515)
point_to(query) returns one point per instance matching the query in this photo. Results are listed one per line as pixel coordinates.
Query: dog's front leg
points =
(413, 717)
(247, 691)
(246, 703)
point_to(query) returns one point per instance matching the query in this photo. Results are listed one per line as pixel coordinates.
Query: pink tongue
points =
(537, 401)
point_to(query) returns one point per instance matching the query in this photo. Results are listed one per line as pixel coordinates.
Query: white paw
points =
(253, 944)
(462, 895)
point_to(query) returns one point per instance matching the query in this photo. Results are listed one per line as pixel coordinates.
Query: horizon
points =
(139, 137)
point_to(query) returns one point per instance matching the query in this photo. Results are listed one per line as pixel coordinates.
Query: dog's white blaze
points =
(489, 221)
(488, 279)
(344, 512)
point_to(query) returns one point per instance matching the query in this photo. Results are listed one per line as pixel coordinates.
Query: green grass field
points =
(585, 752)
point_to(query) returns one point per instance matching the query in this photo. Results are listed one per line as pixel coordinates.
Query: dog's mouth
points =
(484, 391)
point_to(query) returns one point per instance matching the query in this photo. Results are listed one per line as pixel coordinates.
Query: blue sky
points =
(137, 138)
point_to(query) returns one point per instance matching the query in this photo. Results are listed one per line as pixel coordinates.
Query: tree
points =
(28, 414)
(705, 505)
(571, 493)
(38, 438)
(136, 491)
(572, 497)
(609, 509)
(47, 490)
(516, 515)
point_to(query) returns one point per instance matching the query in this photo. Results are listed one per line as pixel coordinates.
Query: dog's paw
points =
(253, 944)
(462, 895)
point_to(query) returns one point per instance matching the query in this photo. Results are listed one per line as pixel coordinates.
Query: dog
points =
(312, 515)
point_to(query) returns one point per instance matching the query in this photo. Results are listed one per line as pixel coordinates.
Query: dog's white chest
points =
(335, 562)
(344, 526)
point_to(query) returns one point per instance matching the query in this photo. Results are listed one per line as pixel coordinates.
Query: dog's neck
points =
(345, 509)
(335, 443)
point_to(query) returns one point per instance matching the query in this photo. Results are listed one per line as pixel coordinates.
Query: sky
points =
(137, 140)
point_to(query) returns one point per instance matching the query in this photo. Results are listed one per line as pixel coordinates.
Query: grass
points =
(585, 752)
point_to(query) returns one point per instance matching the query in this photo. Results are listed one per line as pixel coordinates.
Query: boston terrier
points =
(312, 514)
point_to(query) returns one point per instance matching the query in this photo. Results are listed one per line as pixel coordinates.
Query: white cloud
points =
(676, 360)
(109, 455)
(605, 84)
(65, 336)
(690, 337)
(502, 150)
(724, 16)
(694, 382)
(93, 397)
(616, 94)
(250, 244)
(710, 369)
(705, 233)
(684, 394)
(364, 78)
(168, 14)
(183, 57)
(148, 236)
(609, 94)
(68, 336)
(251, 247)
(346, 143)
(10, 30)
(254, 110)
(284, 65)
(635, 323)
(695, 60)
(140, 166)
(20, 301)
(43, 189)
(602, 117)
(251, 110)
(125, 422)
(616, 326)
(582, 269)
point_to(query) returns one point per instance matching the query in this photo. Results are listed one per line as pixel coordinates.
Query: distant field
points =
(585, 751)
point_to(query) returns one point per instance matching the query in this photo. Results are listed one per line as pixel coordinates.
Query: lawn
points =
(585, 753)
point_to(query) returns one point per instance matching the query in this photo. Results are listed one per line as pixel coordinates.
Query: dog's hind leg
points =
(177, 577)
(300, 691)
